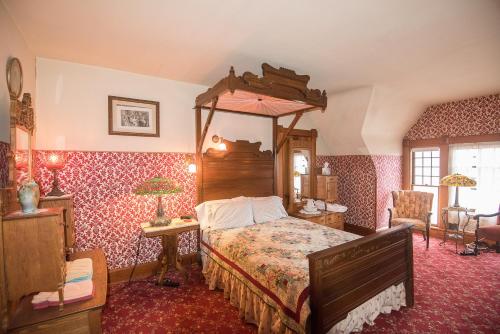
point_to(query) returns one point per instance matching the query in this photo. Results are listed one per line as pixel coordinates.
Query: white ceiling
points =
(417, 52)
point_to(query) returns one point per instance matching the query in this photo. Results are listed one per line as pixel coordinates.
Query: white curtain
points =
(480, 161)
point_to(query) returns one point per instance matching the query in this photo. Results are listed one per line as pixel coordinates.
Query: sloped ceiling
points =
(404, 55)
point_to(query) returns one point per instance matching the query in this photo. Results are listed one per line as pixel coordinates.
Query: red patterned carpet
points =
(453, 294)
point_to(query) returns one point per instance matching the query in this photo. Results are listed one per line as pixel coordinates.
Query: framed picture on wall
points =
(133, 117)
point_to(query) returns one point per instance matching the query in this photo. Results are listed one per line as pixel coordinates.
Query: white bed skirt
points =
(254, 310)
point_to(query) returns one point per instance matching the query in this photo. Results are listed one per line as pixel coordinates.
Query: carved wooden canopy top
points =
(278, 92)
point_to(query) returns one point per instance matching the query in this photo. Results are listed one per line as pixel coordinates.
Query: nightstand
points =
(169, 241)
(327, 218)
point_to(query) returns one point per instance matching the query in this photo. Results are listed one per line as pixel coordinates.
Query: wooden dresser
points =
(326, 187)
(65, 202)
(330, 219)
(34, 256)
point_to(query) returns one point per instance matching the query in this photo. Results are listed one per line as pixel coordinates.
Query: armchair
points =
(491, 232)
(412, 207)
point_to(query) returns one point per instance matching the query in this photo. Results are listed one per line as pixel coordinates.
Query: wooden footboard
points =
(345, 276)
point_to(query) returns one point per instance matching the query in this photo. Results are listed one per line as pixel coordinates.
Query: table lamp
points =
(457, 180)
(159, 186)
(55, 161)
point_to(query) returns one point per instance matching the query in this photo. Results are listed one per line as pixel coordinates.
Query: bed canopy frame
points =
(279, 92)
(342, 277)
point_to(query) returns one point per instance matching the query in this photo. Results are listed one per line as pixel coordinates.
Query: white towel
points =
(79, 270)
(336, 208)
(73, 292)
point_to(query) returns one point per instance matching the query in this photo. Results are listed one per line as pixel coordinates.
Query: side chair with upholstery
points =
(490, 232)
(412, 207)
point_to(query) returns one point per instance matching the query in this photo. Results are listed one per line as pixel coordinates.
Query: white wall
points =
(72, 103)
(13, 45)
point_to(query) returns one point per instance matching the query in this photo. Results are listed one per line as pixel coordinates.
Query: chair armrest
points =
(476, 217)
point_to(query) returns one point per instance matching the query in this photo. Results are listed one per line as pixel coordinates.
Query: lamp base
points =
(56, 192)
(161, 221)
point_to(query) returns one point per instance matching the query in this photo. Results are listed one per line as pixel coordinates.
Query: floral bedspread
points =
(271, 259)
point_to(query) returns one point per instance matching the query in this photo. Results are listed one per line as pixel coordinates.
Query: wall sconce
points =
(55, 161)
(191, 165)
(222, 146)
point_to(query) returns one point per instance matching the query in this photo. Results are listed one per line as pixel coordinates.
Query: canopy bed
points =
(344, 272)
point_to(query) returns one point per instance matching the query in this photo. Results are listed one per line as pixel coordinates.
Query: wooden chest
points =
(34, 252)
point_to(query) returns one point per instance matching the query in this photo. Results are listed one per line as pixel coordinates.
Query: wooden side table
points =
(169, 241)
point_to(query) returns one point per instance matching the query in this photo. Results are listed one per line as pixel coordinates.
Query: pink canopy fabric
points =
(252, 103)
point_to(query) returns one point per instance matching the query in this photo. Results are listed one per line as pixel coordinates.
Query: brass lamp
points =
(159, 186)
(457, 180)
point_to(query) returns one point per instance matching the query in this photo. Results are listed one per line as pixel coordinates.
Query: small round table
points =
(452, 230)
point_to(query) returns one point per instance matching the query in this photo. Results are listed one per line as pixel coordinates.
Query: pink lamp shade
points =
(55, 160)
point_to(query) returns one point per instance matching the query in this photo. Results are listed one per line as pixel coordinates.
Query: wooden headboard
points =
(241, 170)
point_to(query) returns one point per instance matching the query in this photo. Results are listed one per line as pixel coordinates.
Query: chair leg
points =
(423, 234)
(427, 232)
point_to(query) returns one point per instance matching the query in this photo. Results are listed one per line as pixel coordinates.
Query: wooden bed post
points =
(283, 140)
(199, 172)
(275, 155)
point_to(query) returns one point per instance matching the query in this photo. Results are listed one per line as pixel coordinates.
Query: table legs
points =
(170, 259)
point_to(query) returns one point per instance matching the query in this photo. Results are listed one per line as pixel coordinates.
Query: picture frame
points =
(133, 117)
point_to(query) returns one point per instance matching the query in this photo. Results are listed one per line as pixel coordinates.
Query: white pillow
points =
(203, 210)
(267, 208)
(231, 214)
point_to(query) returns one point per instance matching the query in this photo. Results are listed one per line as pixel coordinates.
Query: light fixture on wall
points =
(221, 145)
(55, 161)
(191, 164)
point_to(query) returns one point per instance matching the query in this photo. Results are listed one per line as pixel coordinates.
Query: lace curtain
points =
(480, 161)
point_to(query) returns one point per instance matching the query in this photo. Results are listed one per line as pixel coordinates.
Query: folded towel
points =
(73, 292)
(336, 208)
(79, 270)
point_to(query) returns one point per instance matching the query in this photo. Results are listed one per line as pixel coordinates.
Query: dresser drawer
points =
(335, 220)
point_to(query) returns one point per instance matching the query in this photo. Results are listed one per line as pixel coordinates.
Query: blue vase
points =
(29, 195)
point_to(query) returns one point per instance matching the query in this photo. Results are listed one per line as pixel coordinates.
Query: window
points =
(425, 175)
(480, 161)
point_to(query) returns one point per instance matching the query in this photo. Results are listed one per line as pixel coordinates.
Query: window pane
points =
(435, 162)
(427, 171)
(427, 162)
(435, 181)
(435, 154)
(418, 162)
(435, 171)
(418, 154)
(418, 180)
(427, 154)
(427, 180)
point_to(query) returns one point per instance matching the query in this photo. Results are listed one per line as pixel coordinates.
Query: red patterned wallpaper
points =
(389, 177)
(474, 116)
(4, 164)
(107, 214)
(357, 187)
(365, 184)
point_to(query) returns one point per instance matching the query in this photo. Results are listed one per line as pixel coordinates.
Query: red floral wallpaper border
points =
(107, 214)
(4, 164)
(474, 116)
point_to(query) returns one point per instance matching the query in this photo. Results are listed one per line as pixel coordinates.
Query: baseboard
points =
(360, 230)
(142, 270)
